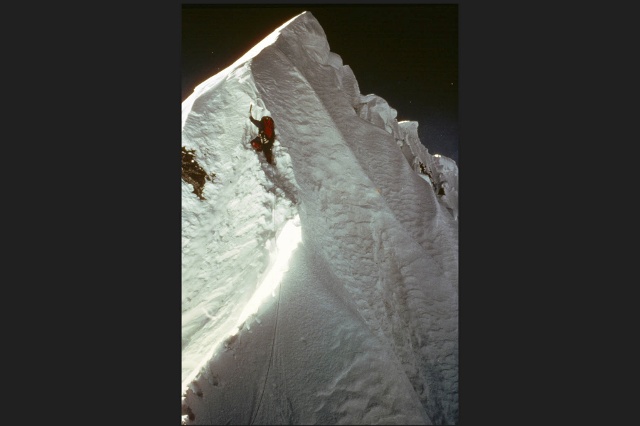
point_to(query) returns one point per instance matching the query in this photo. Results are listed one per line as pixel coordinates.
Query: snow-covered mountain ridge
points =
(353, 243)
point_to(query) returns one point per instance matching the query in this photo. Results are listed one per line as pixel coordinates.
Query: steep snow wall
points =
(373, 285)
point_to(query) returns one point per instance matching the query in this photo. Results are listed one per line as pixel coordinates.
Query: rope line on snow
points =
(273, 344)
(275, 329)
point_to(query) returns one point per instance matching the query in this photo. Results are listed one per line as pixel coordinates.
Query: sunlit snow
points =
(286, 243)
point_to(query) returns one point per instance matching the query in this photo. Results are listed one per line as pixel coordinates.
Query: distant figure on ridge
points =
(266, 135)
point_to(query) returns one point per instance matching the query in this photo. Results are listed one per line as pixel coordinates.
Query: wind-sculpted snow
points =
(363, 328)
(226, 238)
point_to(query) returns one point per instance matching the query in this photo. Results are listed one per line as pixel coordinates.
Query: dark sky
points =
(407, 54)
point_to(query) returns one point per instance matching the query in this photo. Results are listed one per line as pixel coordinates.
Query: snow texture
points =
(322, 289)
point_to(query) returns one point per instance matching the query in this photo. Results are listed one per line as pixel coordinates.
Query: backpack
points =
(268, 126)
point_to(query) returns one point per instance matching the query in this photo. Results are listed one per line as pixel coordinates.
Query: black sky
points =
(407, 54)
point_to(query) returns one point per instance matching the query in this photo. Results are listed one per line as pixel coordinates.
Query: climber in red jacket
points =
(266, 135)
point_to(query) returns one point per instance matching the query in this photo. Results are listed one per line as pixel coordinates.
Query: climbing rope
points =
(275, 329)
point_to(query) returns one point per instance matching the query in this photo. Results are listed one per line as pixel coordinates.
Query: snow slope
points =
(323, 289)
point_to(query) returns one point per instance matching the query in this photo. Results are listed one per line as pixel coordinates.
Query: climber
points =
(266, 135)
